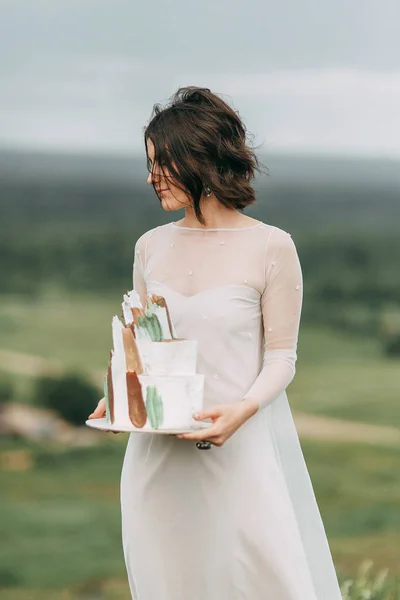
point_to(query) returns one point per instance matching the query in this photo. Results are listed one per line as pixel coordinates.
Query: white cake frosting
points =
(177, 357)
(182, 395)
(171, 390)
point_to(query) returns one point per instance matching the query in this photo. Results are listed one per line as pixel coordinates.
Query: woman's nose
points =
(149, 178)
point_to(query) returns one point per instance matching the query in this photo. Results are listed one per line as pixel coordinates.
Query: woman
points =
(239, 520)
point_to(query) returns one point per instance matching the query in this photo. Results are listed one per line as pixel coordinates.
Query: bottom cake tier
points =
(168, 402)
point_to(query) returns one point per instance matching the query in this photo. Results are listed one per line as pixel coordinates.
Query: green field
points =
(72, 329)
(338, 375)
(61, 520)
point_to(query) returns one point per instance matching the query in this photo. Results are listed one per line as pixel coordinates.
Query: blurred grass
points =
(367, 391)
(63, 327)
(72, 327)
(329, 346)
(358, 490)
(60, 521)
(338, 374)
(23, 385)
(110, 590)
(345, 376)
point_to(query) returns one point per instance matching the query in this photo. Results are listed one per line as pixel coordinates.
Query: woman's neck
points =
(216, 216)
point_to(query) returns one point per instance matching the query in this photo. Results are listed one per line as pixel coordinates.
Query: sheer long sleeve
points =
(281, 304)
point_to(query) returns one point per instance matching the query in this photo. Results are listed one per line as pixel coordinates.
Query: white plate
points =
(105, 425)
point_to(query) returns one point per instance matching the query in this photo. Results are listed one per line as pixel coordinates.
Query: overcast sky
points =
(305, 75)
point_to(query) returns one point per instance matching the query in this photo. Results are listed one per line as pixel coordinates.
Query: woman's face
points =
(171, 197)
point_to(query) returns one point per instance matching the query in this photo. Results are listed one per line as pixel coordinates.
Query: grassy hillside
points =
(62, 524)
(67, 230)
(338, 374)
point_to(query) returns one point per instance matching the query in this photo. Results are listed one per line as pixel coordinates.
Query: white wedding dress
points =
(239, 522)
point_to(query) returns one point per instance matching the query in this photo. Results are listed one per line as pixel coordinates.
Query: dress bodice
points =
(238, 292)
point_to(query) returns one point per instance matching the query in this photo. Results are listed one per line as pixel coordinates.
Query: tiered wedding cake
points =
(151, 381)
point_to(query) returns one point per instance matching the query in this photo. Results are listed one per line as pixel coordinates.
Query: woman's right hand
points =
(100, 412)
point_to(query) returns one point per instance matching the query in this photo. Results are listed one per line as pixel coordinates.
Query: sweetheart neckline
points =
(207, 290)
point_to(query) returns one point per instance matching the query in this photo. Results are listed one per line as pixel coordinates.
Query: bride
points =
(227, 513)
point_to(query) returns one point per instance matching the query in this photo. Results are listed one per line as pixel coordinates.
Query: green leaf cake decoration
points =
(154, 407)
(154, 304)
(152, 325)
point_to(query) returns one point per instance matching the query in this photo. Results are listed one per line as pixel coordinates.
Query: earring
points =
(207, 190)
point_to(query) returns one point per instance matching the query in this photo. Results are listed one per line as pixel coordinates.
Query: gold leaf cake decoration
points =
(136, 405)
(133, 363)
(160, 301)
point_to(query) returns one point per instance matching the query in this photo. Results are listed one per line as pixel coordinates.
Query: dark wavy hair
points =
(202, 141)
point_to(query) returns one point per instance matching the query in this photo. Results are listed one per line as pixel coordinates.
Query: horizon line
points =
(134, 153)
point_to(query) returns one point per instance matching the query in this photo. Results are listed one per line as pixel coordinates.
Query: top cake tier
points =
(168, 357)
(150, 341)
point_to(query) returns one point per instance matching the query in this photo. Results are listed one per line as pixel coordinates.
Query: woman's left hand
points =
(226, 419)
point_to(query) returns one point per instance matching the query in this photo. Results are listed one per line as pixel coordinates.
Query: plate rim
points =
(106, 426)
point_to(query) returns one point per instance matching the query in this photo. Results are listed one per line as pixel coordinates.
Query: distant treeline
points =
(80, 236)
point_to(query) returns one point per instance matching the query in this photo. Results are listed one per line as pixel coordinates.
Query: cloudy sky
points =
(305, 75)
